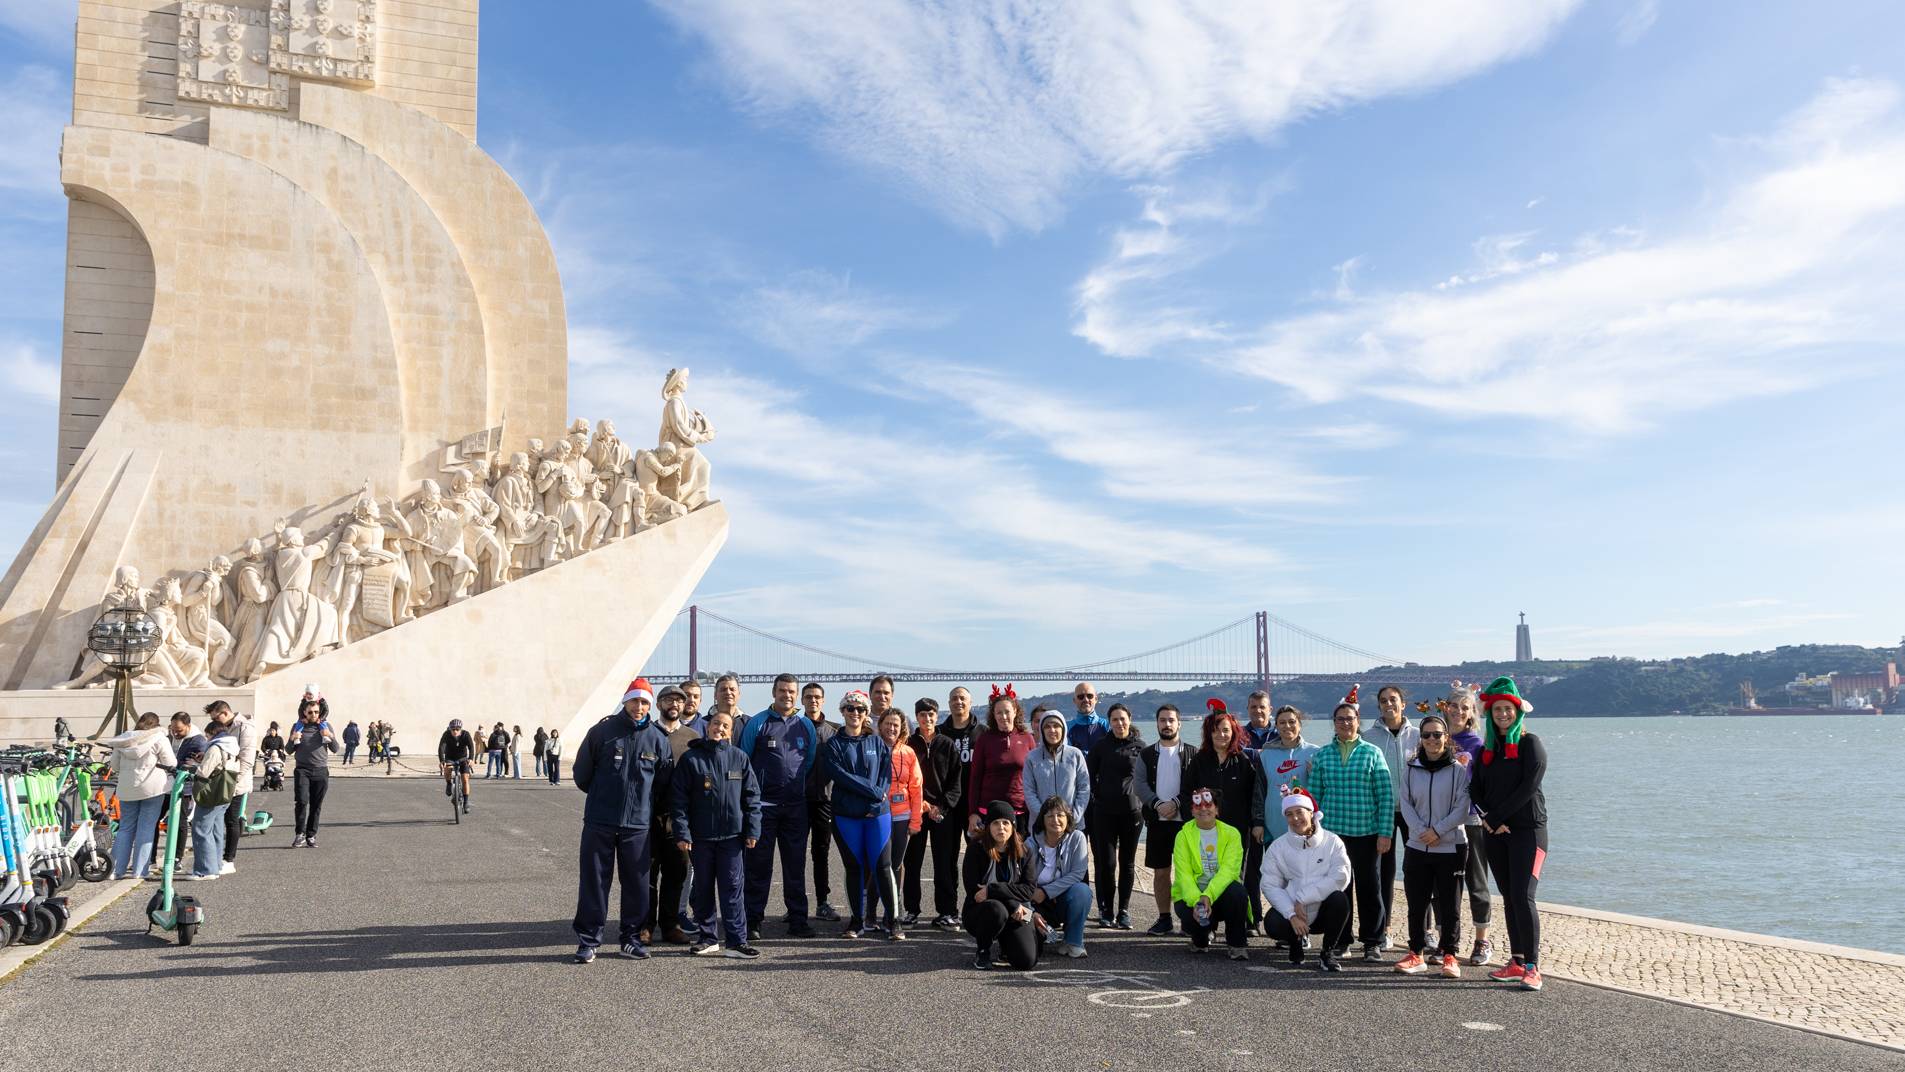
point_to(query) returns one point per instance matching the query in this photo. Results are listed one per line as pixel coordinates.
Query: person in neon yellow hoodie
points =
(1207, 867)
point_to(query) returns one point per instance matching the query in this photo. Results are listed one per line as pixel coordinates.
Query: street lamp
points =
(124, 638)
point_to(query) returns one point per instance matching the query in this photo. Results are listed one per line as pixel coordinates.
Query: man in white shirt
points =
(1159, 774)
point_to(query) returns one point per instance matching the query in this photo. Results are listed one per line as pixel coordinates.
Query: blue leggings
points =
(865, 840)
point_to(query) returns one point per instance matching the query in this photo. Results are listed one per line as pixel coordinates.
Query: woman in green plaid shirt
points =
(1356, 801)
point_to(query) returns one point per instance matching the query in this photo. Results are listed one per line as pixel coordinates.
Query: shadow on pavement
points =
(437, 945)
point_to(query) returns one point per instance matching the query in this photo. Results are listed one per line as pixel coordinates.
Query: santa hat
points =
(639, 688)
(1507, 742)
(1350, 700)
(1294, 797)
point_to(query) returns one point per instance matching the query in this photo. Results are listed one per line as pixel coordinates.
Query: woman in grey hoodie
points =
(1434, 804)
(1055, 768)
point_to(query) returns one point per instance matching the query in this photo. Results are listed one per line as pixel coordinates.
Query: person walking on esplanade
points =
(1506, 788)
(781, 745)
(998, 879)
(1207, 870)
(621, 765)
(1357, 802)
(1306, 881)
(715, 813)
(861, 767)
(1435, 805)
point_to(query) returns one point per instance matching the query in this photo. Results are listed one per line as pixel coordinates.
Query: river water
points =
(1787, 826)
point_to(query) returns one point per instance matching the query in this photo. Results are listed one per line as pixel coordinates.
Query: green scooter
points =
(179, 913)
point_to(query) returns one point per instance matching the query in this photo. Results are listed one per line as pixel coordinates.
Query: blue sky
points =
(1032, 340)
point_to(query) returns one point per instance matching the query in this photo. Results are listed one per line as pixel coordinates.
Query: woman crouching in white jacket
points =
(1305, 876)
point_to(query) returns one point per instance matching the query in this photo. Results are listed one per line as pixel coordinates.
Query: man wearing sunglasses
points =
(1086, 727)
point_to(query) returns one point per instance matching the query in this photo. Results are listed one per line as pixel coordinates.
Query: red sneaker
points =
(1531, 979)
(1412, 965)
(1509, 972)
(1451, 968)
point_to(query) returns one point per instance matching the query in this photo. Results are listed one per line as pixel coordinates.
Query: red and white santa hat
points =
(1296, 797)
(639, 687)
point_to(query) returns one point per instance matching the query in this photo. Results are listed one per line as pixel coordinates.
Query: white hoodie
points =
(1300, 870)
(143, 759)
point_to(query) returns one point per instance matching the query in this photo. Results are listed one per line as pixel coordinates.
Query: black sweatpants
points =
(235, 825)
(1231, 908)
(991, 921)
(1434, 880)
(1516, 858)
(1386, 866)
(1330, 924)
(667, 873)
(310, 787)
(1475, 875)
(946, 835)
(819, 843)
(914, 865)
(1365, 890)
(1114, 855)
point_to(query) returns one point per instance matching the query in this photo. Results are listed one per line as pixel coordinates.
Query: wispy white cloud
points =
(47, 23)
(1797, 262)
(816, 315)
(1637, 20)
(994, 111)
(26, 372)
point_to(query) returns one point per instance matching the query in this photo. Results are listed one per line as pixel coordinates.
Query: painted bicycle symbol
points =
(1112, 990)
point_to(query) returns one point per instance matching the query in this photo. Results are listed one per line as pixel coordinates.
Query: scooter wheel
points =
(187, 932)
(61, 915)
(11, 925)
(41, 924)
(68, 876)
(95, 867)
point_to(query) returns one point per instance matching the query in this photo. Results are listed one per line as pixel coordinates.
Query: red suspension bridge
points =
(1260, 648)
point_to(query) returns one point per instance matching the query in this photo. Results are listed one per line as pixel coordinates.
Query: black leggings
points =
(820, 842)
(1231, 908)
(991, 921)
(1330, 924)
(1434, 879)
(1114, 854)
(1475, 875)
(895, 860)
(235, 825)
(1516, 858)
(1365, 890)
(1386, 866)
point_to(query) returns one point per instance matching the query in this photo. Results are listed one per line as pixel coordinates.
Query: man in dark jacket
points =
(942, 792)
(813, 704)
(780, 745)
(715, 813)
(1162, 767)
(622, 765)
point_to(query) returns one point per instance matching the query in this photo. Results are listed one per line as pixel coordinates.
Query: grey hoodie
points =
(1064, 775)
(1434, 798)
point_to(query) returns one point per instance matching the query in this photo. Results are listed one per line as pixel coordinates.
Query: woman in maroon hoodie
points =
(998, 758)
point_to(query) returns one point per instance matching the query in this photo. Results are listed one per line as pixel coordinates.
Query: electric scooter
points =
(256, 822)
(178, 913)
(30, 910)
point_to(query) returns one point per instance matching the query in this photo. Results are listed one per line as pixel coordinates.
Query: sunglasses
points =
(1433, 736)
(854, 709)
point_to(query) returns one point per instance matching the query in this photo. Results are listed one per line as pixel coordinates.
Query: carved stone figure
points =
(652, 469)
(202, 596)
(480, 538)
(549, 476)
(582, 518)
(615, 472)
(179, 663)
(518, 518)
(369, 579)
(125, 592)
(300, 624)
(251, 591)
(440, 570)
(686, 429)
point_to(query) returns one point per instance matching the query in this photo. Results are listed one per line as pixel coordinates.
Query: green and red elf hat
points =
(1503, 689)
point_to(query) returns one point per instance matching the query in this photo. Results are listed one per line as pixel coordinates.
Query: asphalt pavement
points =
(405, 941)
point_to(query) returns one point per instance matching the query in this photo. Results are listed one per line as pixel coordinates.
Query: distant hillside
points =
(1695, 685)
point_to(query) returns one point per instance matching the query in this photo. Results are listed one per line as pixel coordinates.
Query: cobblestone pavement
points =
(1858, 996)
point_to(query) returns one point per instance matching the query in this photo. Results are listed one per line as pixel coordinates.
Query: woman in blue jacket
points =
(716, 813)
(860, 767)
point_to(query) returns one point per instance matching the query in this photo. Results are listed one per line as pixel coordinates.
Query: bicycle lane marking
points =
(1135, 992)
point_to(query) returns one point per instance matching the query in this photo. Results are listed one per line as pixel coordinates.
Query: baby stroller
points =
(274, 773)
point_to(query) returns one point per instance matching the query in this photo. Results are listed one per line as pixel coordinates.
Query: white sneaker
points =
(199, 878)
(229, 868)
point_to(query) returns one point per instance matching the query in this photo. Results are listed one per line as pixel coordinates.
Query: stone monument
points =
(314, 346)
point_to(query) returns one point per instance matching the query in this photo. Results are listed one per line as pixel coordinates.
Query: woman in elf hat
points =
(1506, 789)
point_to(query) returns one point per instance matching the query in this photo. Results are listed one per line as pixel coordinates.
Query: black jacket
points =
(1144, 780)
(1238, 780)
(1007, 881)
(1113, 763)
(942, 777)
(455, 747)
(623, 767)
(819, 786)
(1509, 790)
(714, 794)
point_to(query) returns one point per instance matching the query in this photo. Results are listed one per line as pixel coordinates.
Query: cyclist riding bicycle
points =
(455, 750)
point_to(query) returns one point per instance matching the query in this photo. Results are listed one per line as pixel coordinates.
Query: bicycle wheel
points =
(456, 801)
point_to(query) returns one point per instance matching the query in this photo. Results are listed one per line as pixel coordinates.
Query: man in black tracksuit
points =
(813, 703)
(624, 761)
(943, 794)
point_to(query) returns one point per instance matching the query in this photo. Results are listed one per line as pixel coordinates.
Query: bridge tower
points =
(1263, 653)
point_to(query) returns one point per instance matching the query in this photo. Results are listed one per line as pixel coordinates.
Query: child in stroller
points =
(274, 771)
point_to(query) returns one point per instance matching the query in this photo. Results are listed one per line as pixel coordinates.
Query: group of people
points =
(377, 737)
(222, 754)
(1251, 829)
